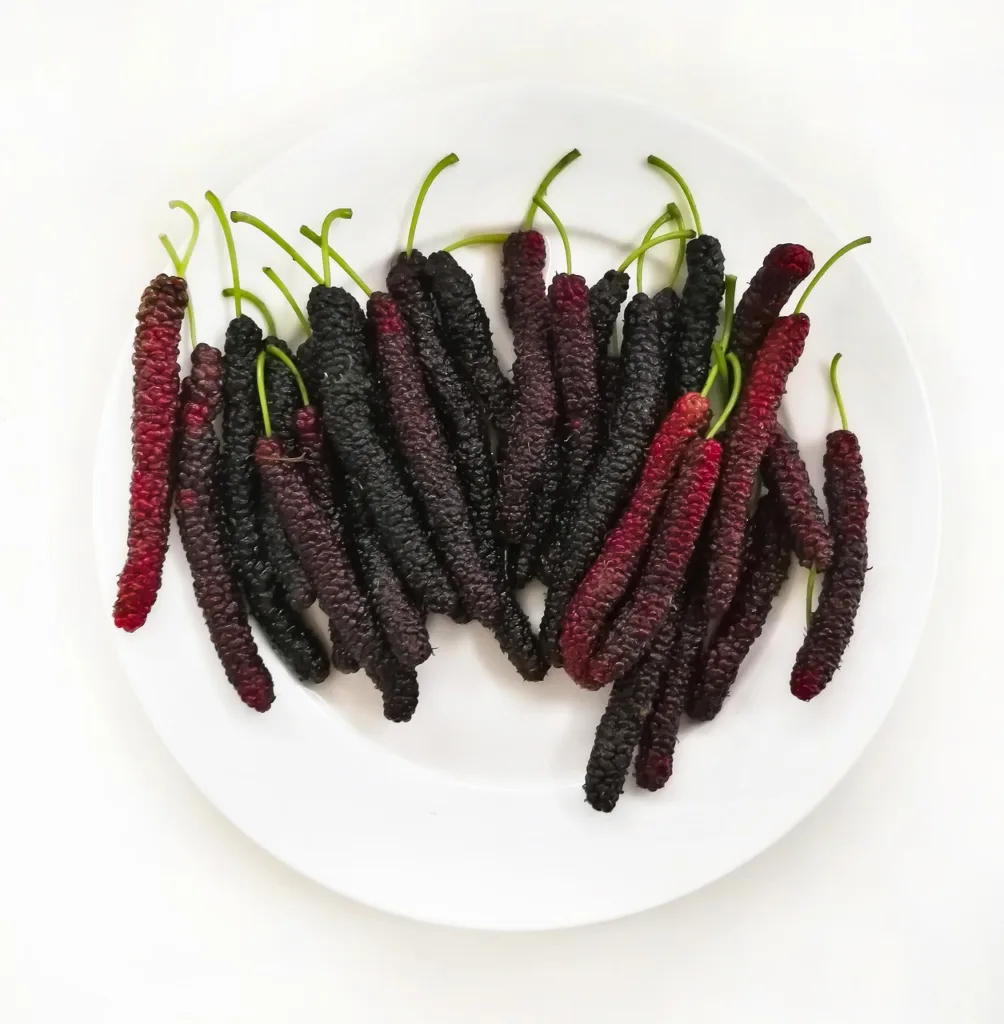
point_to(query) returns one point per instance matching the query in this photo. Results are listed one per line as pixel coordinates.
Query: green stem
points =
(179, 269)
(864, 240)
(720, 347)
(684, 188)
(540, 201)
(288, 295)
(262, 400)
(283, 358)
(809, 590)
(737, 383)
(545, 184)
(484, 239)
(664, 218)
(228, 293)
(231, 250)
(650, 244)
(342, 213)
(681, 253)
(239, 217)
(450, 158)
(314, 237)
(178, 204)
(836, 391)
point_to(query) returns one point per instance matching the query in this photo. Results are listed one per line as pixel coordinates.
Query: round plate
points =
(473, 814)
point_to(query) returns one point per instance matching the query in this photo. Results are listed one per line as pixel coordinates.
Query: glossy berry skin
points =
(783, 269)
(241, 497)
(639, 621)
(535, 404)
(327, 563)
(787, 475)
(654, 761)
(467, 335)
(668, 306)
(156, 379)
(622, 454)
(698, 316)
(348, 403)
(432, 470)
(605, 300)
(840, 595)
(750, 432)
(620, 728)
(197, 510)
(606, 583)
(766, 567)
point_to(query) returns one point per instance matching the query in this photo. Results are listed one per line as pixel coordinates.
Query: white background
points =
(123, 895)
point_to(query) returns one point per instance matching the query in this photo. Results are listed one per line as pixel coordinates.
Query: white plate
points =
(472, 814)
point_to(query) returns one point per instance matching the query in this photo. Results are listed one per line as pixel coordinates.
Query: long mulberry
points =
(606, 583)
(617, 467)
(620, 728)
(749, 435)
(331, 572)
(832, 623)
(783, 269)
(156, 381)
(286, 632)
(786, 473)
(639, 621)
(432, 471)
(766, 567)
(197, 509)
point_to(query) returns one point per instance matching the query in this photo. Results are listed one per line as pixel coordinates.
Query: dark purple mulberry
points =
(787, 475)
(535, 410)
(467, 334)
(621, 726)
(432, 470)
(197, 509)
(840, 596)
(766, 567)
(698, 316)
(241, 488)
(346, 391)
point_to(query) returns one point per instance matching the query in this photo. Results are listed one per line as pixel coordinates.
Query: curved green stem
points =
(864, 240)
(809, 590)
(179, 269)
(651, 243)
(720, 347)
(496, 238)
(684, 188)
(545, 184)
(288, 296)
(278, 353)
(448, 160)
(664, 218)
(228, 293)
(318, 240)
(737, 383)
(178, 204)
(836, 391)
(231, 249)
(342, 213)
(240, 217)
(262, 400)
(541, 202)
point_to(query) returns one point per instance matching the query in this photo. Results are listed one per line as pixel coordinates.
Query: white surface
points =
(483, 786)
(124, 895)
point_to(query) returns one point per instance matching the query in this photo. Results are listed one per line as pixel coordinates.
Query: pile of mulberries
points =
(387, 470)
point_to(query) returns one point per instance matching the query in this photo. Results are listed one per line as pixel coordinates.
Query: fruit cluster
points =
(388, 469)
